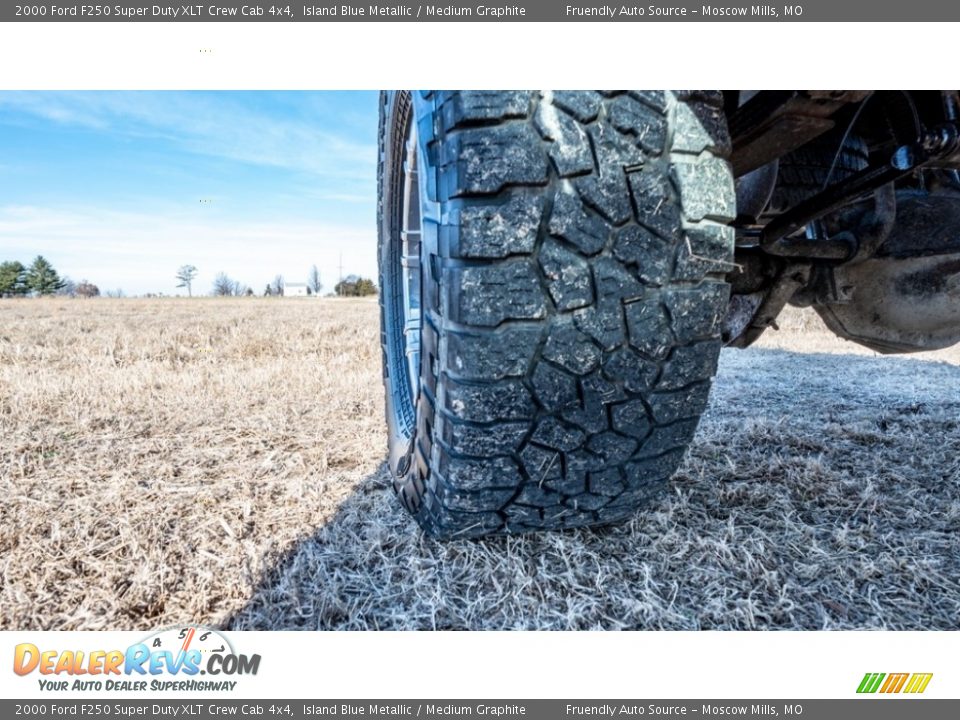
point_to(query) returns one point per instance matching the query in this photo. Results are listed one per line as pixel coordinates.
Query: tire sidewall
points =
(409, 415)
(393, 114)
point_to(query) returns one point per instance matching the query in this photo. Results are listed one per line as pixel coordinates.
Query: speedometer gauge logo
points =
(180, 639)
(196, 649)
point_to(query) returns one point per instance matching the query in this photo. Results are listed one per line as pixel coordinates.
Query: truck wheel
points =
(552, 284)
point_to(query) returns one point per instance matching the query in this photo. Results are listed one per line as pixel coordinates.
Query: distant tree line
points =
(226, 286)
(40, 278)
(355, 286)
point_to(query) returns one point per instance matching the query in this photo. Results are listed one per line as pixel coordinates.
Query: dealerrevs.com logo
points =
(170, 659)
(891, 683)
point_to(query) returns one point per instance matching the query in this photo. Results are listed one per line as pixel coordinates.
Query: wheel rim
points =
(410, 259)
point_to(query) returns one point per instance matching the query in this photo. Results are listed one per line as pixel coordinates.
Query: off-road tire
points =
(572, 260)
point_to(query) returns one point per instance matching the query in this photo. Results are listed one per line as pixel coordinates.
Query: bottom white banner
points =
(190, 660)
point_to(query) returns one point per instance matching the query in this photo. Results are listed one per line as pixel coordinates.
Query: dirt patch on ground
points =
(220, 462)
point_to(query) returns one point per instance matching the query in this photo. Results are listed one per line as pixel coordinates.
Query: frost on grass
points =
(220, 461)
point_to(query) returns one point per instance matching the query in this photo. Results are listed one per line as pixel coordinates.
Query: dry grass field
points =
(221, 462)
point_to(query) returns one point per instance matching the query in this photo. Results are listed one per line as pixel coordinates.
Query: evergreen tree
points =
(42, 278)
(12, 278)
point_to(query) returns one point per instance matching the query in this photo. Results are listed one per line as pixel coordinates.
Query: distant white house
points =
(295, 289)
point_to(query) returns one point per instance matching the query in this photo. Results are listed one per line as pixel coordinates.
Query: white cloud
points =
(209, 124)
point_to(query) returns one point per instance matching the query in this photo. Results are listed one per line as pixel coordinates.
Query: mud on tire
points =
(571, 263)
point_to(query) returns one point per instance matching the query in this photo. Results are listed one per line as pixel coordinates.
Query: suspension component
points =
(935, 148)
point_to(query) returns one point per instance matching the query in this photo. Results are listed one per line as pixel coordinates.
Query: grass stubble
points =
(221, 462)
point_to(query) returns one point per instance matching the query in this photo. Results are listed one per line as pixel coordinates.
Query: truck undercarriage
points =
(848, 202)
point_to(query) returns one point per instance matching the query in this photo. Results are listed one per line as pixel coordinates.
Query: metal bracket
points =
(774, 122)
(937, 146)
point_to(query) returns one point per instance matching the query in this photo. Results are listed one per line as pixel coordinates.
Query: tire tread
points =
(568, 400)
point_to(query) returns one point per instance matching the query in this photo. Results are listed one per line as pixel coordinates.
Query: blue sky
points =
(122, 188)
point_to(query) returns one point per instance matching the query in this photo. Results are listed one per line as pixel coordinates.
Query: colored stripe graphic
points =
(894, 683)
(918, 682)
(870, 683)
